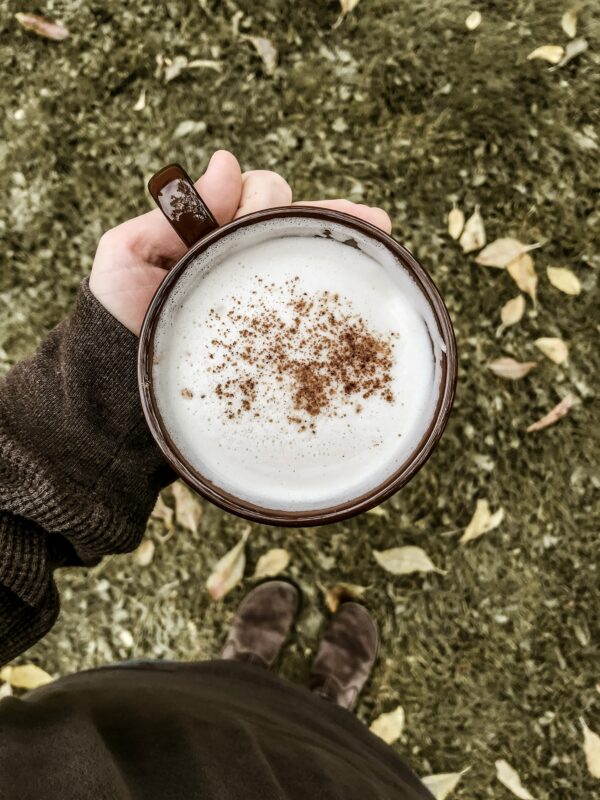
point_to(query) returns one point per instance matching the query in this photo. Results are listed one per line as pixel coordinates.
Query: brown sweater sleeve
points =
(79, 470)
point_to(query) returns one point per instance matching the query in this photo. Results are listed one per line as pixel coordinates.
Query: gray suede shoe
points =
(346, 656)
(262, 624)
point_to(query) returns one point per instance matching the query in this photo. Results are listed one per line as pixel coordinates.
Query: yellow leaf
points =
(564, 280)
(512, 311)
(473, 20)
(378, 511)
(554, 349)
(558, 412)
(163, 512)
(144, 554)
(390, 726)
(483, 521)
(347, 6)
(473, 235)
(229, 570)
(510, 369)
(523, 274)
(25, 676)
(42, 26)
(456, 222)
(502, 252)
(187, 507)
(272, 563)
(405, 560)
(510, 778)
(575, 48)
(342, 591)
(548, 52)
(140, 104)
(443, 784)
(568, 23)
(591, 748)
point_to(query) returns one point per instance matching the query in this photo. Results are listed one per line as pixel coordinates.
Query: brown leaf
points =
(483, 521)
(548, 52)
(187, 507)
(272, 563)
(568, 23)
(523, 274)
(25, 676)
(443, 784)
(512, 311)
(473, 235)
(510, 369)
(229, 570)
(405, 560)
(591, 749)
(473, 21)
(163, 512)
(267, 52)
(336, 595)
(564, 280)
(42, 26)
(553, 348)
(575, 48)
(145, 553)
(501, 252)
(558, 412)
(389, 726)
(510, 778)
(456, 222)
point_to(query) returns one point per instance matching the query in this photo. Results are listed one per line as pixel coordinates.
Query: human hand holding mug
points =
(133, 258)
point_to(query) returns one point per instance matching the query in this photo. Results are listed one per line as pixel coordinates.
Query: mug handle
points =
(175, 194)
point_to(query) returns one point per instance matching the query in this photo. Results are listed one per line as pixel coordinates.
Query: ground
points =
(399, 106)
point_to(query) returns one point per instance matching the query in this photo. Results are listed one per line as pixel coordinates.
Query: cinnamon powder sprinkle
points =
(315, 349)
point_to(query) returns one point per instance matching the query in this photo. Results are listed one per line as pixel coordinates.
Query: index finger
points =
(375, 216)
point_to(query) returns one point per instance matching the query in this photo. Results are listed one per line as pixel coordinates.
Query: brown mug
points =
(176, 196)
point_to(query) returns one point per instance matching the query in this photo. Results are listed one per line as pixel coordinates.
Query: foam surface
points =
(260, 456)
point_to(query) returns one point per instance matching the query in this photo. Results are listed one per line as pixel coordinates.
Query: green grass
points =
(402, 107)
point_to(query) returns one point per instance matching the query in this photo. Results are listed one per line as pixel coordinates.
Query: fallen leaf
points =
(548, 52)
(25, 676)
(389, 726)
(42, 26)
(558, 412)
(553, 348)
(405, 560)
(267, 52)
(441, 785)
(510, 369)
(187, 507)
(141, 101)
(512, 311)
(205, 63)
(6, 690)
(378, 511)
(229, 570)
(144, 554)
(483, 521)
(174, 67)
(347, 6)
(591, 748)
(473, 235)
(568, 23)
(272, 563)
(456, 222)
(564, 280)
(575, 48)
(163, 512)
(335, 595)
(473, 20)
(510, 778)
(522, 271)
(502, 252)
(187, 127)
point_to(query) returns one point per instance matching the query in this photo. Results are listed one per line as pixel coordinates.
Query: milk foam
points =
(259, 456)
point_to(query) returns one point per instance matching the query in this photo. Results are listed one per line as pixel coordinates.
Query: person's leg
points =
(345, 656)
(262, 624)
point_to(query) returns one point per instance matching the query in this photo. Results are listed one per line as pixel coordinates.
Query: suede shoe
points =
(262, 624)
(345, 656)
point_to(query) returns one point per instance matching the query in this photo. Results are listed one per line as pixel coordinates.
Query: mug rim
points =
(340, 511)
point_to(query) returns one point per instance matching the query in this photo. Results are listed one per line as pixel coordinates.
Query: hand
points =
(133, 258)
